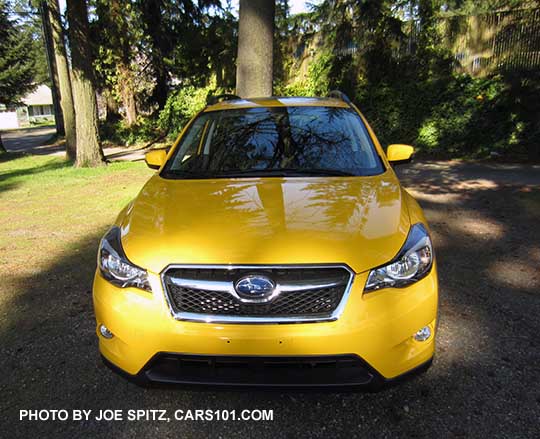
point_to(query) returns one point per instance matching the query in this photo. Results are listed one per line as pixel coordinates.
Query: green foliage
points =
(281, 37)
(399, 71)
(465, 121)
(181, 106)
(459, 116)
(29, 25)
(220, 46)
(142, 47)
(409, 91)
(317, 82)
(118, 132)
(118, 41)
(16, 61)
(176, 42)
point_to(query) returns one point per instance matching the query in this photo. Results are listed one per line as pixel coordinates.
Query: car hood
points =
(358, 221)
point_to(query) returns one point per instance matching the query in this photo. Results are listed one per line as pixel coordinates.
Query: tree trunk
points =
(51, 62)
(89, 152)
(255, 48)
(111, 107)
(64, 81)
(2, 147)
(125, 74)
(125, 83)
(153, 18)
(219, 74)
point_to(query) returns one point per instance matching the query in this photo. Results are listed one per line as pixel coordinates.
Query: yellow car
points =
(274, 246)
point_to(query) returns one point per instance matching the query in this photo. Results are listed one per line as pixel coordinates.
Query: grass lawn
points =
(49, 209)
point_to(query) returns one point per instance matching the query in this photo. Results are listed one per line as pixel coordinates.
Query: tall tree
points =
(53, 71)
(16, 62)
(175, 33)
(29, 22)
(220, 38)
(64, 80)
(119, 38)
(89, 151)
(119, 10)
(255, 48)
(155, 28)
(281, 34)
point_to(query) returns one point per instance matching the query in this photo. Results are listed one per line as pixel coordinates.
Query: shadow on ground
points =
(6, 176)
(484, 382)
(36, 140)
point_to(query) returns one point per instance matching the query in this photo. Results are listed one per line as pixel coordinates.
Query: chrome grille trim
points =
(228, 287)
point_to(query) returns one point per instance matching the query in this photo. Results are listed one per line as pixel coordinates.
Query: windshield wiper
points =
(328, 172)
(283, 172)
(185, 174)
(274, 172)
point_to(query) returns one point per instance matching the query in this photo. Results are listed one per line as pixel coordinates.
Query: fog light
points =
(104, 331)
(423, 334)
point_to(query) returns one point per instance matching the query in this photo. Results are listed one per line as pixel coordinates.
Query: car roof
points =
(276, 101)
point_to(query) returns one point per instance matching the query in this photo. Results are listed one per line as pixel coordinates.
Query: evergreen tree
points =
(119, 37)
(29, 22)
(176, 43)
(16, 61)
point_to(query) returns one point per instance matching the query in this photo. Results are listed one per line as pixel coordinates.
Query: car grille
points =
(204, 294)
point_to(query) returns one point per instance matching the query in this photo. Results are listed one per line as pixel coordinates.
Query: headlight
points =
(411, 264)
(116, 267)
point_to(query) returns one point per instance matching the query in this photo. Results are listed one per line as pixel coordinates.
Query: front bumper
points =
(375, 329)
(243, 371)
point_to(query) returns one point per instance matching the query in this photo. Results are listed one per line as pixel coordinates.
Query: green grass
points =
(47, 207)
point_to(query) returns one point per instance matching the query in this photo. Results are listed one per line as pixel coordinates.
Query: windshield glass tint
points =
(258, 141)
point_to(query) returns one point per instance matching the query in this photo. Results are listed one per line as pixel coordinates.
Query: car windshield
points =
(280, 141)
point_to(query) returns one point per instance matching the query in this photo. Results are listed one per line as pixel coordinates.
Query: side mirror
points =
(156, 158)
(399, 154)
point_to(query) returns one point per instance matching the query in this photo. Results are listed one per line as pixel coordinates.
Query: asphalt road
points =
(484, 381)
(31, 140)
(38, 141)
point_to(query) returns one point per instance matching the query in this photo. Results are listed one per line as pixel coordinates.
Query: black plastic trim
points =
(376, 383)
(401, 162)
(211, 100)
(337, 94)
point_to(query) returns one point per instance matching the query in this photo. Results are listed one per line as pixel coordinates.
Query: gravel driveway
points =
(484, 381)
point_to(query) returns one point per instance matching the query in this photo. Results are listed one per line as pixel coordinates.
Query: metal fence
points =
(501, 41)
(487, 43)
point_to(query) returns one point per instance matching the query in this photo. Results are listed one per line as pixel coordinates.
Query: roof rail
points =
(211, 100)
(336, 94)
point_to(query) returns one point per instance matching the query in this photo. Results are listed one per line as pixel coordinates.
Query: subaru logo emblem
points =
(254, 286)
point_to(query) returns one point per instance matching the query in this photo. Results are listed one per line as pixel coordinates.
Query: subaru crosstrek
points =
(274, 246)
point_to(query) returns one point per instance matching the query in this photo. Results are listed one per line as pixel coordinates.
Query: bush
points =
(454, 116)
(444, 115)
(118, 133)
(316, 83)
(181, 106)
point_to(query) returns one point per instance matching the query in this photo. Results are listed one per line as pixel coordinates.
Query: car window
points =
(190, 142)
(293, 140)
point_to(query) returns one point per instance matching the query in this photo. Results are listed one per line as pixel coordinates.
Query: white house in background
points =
(36, 107)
